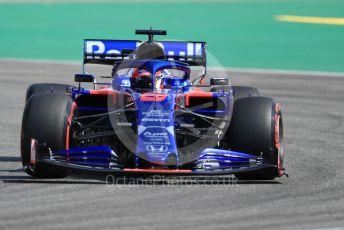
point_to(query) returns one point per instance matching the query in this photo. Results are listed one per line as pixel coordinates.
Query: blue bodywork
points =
(155, 120)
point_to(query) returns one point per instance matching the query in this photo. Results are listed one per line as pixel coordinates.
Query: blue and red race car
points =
(155, 115)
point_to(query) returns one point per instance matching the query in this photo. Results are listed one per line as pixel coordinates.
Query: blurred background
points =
(265, 34)
(252, 37)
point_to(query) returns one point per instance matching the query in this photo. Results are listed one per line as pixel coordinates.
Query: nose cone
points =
(156, 137)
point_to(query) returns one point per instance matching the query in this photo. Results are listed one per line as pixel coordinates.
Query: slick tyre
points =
(244, 91)
(257, 128)
(46, 88)
(46, 118)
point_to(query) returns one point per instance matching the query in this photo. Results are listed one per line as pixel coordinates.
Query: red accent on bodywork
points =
(196, 92)
(177, 101)
(102, 91)
(158, 170)
(153, 97)
(69, 122)
(107, 92)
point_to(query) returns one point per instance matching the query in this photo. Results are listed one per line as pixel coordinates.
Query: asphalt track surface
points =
(312, 197)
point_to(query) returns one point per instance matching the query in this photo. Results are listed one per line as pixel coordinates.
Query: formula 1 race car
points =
(154, 115)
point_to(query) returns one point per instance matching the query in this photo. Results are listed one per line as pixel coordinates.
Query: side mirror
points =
(219, 81)
(83, 77)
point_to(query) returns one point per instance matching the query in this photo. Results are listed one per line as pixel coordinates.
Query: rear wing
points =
(108, 52)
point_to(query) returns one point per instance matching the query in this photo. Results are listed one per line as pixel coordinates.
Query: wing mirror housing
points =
(219, 81)
(83, 77)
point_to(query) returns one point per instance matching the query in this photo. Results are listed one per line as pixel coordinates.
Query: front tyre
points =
(257, 128)
(244, 91)
(46, 118)
(47, 88)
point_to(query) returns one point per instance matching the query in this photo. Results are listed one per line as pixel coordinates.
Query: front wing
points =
(102, 160)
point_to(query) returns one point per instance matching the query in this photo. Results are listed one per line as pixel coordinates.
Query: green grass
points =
(239, 34)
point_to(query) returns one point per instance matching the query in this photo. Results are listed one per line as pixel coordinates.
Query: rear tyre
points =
(46, 88)
(257, 128)
(244, 91)
(46, 118)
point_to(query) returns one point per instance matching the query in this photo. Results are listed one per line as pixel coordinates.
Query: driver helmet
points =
(143, 73)
(140, 73)
(141, 78)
